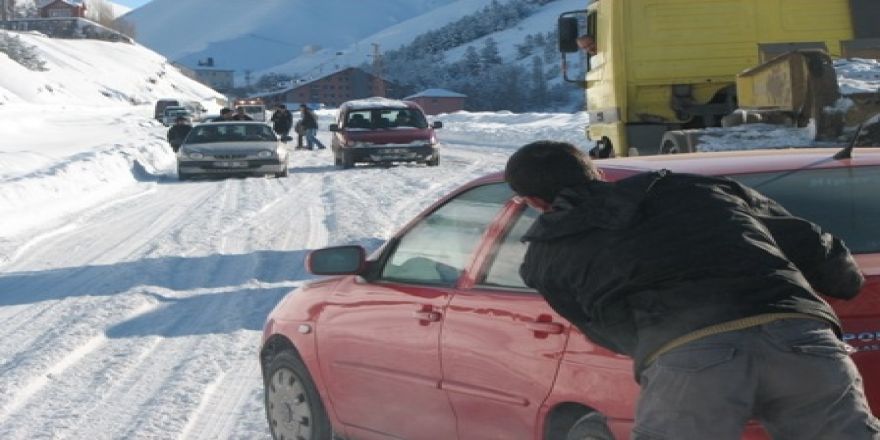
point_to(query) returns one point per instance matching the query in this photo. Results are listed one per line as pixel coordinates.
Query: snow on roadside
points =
(856, 75)
(512, 130)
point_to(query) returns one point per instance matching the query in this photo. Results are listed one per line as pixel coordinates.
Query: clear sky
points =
(131, 3)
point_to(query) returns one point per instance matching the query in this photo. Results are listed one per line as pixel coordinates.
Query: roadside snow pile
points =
(856, 75)
(512, 130)
(90, 72)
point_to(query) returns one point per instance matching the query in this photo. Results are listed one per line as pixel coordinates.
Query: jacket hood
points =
(595, 205)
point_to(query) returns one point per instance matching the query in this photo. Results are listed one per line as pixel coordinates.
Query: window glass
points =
(843, 201)
(503, 270)
(438, 248)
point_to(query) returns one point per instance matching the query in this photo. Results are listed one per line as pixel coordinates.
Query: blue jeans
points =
(312, 139)
(792, 375)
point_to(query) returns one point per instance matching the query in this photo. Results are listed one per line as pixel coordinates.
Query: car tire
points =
(590, 427)
(183, 176)
(293, 406)
(284, 173)
(434, 161)
(347, 160)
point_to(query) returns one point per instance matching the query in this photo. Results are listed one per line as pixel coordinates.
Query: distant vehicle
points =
(436, 336)
(193, 107)
(253, 107)
(161, 105)
(380, 130)
(173, 112)
(232, 148)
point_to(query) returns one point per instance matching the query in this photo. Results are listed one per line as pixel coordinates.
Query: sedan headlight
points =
(195, 155)
(265, 154)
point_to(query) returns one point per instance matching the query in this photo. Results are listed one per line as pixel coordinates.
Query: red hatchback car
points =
(382, 130)
(435, 337)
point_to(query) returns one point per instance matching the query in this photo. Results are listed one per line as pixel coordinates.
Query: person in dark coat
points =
(282, 122)
(240, 115)
(712, 288)
(178, 132)
(300, 132)
(310, 125)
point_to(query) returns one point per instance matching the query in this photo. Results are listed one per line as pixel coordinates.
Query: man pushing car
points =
(712, 288)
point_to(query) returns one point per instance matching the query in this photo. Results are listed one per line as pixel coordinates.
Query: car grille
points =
(230, 156)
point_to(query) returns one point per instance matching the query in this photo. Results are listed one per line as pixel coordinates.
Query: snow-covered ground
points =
(131, 304)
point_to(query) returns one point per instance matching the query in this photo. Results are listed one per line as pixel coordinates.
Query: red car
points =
(435, 336)
(381, 130)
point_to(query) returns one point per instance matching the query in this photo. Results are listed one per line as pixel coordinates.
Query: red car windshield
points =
(843, 201)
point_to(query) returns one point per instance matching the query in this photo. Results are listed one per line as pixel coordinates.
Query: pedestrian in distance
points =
(310, 125)
(178, 132)
(226, 114)
(712, 288)
(282, 121)
(240, 115)
(300, 132)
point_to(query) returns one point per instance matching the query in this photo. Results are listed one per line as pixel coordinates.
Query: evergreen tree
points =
(538, 96)
(489, 53)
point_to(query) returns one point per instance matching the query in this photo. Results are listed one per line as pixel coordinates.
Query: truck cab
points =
(663, 65)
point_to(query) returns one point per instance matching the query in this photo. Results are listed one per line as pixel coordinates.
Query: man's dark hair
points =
(544, 168)
(225, 110)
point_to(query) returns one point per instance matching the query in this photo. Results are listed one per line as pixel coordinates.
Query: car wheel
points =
(347, 160)
(183, 176)
(590, 427)
(434, 161)
(284, 173)
(337, 161)
(293, 406)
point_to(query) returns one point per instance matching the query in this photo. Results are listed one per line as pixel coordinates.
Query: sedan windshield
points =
(843, 201)
(210, 133)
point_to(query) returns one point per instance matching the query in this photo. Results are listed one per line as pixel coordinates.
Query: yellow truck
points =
(670, 65)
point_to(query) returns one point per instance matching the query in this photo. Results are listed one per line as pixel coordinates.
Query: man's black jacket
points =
(177, 133)
(637, 263)
(282, 121)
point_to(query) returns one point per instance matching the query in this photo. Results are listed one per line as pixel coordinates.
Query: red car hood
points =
(389, 136)
(861, 326)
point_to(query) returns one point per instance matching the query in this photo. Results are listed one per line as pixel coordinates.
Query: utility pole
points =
(379, 82)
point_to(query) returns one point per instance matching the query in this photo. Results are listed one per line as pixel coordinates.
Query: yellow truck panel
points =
(671, 62)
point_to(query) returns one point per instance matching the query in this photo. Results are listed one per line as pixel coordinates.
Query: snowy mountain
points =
(308, 39)
(258, 35)
(92, 73)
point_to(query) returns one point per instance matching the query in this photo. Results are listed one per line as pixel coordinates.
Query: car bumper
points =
(392, 153)
(221, 167)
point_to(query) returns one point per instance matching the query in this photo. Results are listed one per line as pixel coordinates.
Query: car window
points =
(439, 247)
(843, 201)
(381, 118)
(503, 269)
(231, 133)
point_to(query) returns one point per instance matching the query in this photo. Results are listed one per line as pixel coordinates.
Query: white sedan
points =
(232, 148)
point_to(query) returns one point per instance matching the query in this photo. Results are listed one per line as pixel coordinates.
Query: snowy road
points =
(140, 316)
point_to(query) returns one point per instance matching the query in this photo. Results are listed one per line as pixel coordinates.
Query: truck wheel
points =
(675, 142)
(293, 406)
(590, 427)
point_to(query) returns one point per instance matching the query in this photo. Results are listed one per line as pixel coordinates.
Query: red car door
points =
(501, 346)
(378, 337)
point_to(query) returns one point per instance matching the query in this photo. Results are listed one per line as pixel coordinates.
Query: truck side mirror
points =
(568, 33)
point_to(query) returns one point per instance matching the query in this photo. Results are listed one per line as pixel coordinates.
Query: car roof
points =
(731, 162)
(377, 103)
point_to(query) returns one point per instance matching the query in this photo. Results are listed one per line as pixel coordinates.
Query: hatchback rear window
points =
(390, 118)
(843, 201)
